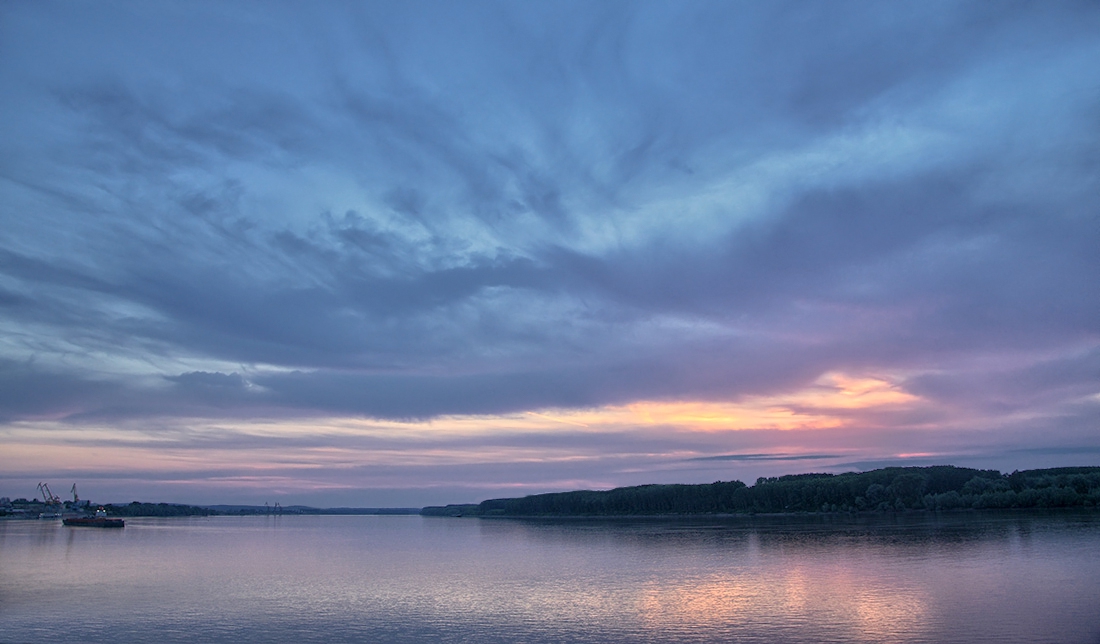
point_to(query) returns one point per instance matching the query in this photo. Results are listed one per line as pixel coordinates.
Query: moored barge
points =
(100, 520)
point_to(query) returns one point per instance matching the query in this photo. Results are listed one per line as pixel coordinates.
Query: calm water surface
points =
(986, 578)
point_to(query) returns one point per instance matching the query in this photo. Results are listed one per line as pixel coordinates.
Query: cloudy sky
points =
(401, 253)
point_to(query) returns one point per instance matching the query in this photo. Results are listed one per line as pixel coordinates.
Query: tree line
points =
(137, 509)
(941, 487)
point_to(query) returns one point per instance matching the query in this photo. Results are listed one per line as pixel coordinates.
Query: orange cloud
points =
(824, 404)
(840, 391)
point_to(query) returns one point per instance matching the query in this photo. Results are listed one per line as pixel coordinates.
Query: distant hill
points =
(941, 487)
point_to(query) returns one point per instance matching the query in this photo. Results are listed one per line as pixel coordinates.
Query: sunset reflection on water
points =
(809, 594)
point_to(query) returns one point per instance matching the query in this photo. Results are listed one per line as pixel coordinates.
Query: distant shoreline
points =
(939, 488)
(861, 514)
(22, 509)
(410, 512)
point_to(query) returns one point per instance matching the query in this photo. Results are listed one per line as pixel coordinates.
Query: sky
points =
(408, 253)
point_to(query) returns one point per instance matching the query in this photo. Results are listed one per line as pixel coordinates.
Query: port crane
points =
(76, 498)
(49, 497)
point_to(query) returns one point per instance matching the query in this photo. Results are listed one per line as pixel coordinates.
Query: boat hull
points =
(94, 522)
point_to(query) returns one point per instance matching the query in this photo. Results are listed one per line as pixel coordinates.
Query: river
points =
(968, 577)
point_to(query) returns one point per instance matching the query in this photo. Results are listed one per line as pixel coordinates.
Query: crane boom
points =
(47, 496)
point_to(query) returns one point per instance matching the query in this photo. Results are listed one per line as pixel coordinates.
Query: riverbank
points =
(894, 489)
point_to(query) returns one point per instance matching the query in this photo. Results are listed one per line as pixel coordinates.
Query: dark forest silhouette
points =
(941, 487)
